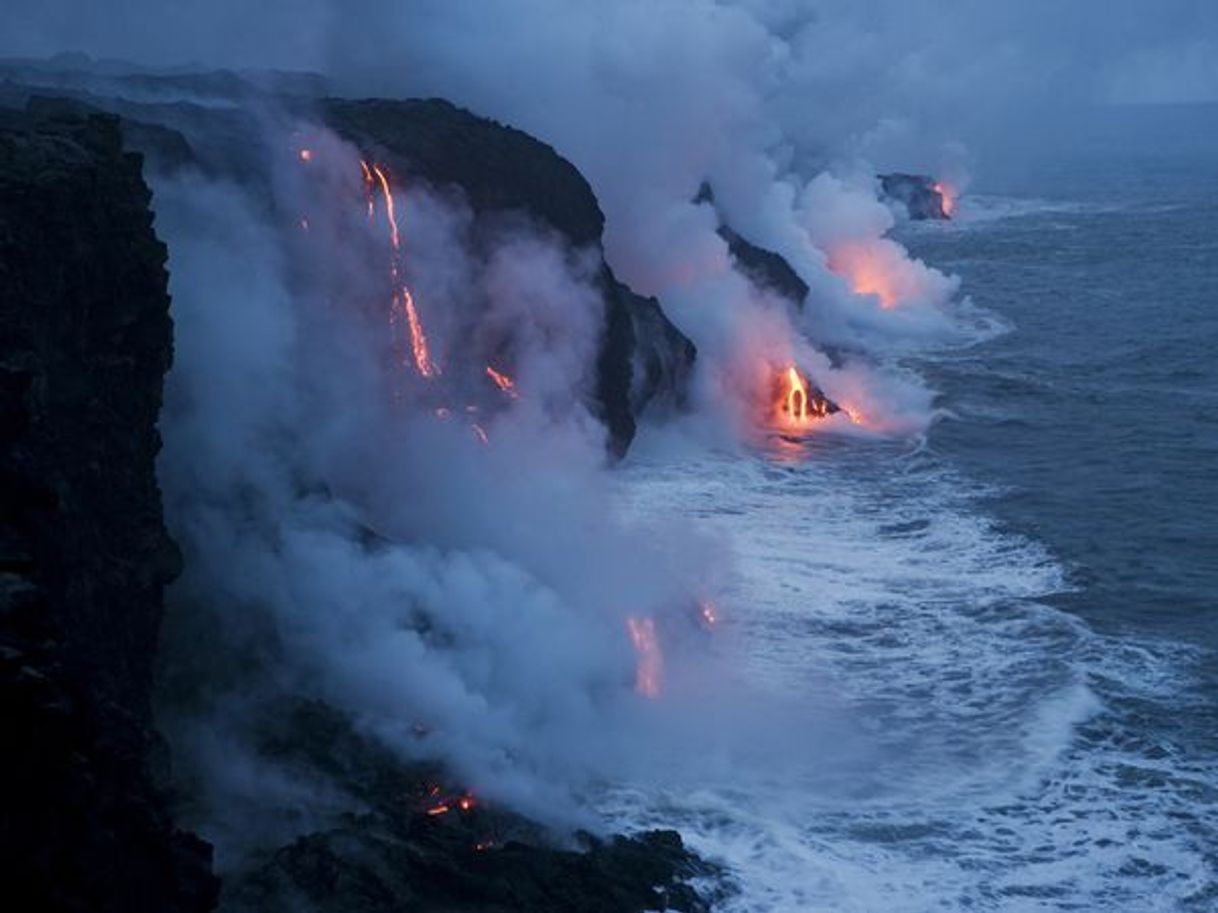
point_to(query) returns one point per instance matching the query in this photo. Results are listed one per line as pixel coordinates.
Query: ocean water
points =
(1014, 622)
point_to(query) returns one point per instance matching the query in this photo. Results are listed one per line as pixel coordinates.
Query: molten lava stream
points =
(403, 300)
(650, 661)
(502, 381)
(795, 406)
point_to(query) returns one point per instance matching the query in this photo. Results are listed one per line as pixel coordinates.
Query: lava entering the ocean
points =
(650, 660)
(796, 404)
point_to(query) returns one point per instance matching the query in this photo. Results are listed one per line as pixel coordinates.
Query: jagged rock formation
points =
(917, 192)
(85, 339)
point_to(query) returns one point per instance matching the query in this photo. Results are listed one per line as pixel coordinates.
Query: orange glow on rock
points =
(650, 663)
(306, 155)
(502, 381)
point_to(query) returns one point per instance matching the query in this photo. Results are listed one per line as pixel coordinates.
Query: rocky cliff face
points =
(85, 339)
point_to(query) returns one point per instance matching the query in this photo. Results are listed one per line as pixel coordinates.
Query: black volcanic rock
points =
(394, 856)
(85, 339)
(497, 167)
(764, 267)
(917, 192)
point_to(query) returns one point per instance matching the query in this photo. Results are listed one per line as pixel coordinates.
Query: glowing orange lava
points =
(418, 339)
(465, 802)
(795, 404)
(306, 155)
(948, 195)
(650, 660)
(860, 266)
(403, 300)
(502, 381)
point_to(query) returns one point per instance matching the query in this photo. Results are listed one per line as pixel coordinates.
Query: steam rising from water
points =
(348, 535)
(461, 601)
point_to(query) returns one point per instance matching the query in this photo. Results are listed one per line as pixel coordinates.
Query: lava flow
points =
(650, 660)
(947, 197)
(403, 301)
(502, 381)
(464, 802)
(796, 404)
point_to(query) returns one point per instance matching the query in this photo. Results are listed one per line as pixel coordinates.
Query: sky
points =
(1142, 51)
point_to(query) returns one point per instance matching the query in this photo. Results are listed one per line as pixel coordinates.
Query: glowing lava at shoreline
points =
(650, 664)
(947, 197)
(795, 404)
(403, 301)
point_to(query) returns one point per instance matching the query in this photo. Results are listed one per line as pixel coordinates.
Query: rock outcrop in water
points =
(918, 193)
(85, 339)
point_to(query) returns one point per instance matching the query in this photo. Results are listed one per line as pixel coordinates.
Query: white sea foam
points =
(967, 751)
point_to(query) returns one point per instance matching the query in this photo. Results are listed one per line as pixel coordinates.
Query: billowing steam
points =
(378, 458)
(464, 595)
